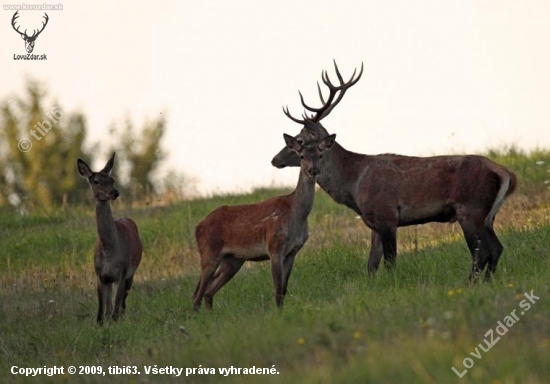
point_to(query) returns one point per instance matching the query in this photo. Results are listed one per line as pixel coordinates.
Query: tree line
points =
(40, 142)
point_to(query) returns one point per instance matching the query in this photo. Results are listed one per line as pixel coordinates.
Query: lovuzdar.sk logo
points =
(29, 40)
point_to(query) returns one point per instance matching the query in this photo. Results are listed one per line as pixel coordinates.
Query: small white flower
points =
(540, 162)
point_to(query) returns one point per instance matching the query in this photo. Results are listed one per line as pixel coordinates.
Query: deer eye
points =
(320, 156)
(96, 181)
(300, 141)
(301, 156)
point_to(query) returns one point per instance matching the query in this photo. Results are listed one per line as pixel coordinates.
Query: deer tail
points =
(508, 184)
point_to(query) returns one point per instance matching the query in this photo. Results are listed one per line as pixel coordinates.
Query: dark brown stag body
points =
(389, 191)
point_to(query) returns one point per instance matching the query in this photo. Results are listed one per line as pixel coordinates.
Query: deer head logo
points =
(29, 40)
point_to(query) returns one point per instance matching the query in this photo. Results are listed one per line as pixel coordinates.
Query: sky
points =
(440, 77)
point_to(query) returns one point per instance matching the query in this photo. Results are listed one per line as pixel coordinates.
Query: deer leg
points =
(495, 249)
(474, 245)
(109, 300)
(209, 264)
(376, 252)
(478, 245)
(389, 243)
(105, 302)
(229, 266)
(127, 288)
(288, 263)
(101, 309)
(120, 296)
(277, 274)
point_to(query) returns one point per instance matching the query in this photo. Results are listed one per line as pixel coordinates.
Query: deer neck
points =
(303, 197)
(341, 170)
(106, 229)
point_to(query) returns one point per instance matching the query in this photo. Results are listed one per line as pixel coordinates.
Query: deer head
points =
(312, 129)
(29, 40)
(102, 182)
(309, 153)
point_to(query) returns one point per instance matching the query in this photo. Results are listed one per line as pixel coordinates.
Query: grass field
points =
(409, 325)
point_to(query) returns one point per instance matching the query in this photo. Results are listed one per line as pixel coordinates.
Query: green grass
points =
(408, 325)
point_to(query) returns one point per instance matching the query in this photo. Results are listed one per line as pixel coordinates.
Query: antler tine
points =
(358, 76)
(13, 19)
(287, 113)
(342, 88)
(330, 103)
(326, 80)
(338, 73)
(316, 110)
(43, 25)
(320, 93)
(305, 105)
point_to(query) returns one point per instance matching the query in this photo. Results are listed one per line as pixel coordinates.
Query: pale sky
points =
(440, 77)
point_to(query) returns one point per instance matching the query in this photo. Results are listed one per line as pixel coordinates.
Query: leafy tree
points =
(142, 155)
(39, 148)
(39, 144)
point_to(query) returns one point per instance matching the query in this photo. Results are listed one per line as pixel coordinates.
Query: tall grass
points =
(410, 324)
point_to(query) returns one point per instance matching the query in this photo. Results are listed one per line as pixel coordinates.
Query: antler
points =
(24, 34)
(15, 16)
(35, 34)
(328, 106)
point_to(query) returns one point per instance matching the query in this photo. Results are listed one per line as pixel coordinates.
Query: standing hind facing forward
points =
(118, 247)
(273, 229)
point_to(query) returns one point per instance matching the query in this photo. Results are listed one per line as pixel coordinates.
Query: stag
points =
(29, 40)
(390, 191)
(118, 247)
(274, 229)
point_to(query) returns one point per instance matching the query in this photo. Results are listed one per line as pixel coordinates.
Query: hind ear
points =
(109, 165)
(83, 168)
(292, 143)
(327, 142)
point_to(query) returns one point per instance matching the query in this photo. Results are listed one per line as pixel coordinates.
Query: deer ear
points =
(83, 168)
(109, 165)
(292, 143)
(327, 142)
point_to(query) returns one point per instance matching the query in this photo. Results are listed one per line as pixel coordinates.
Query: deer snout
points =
(278, 163)
(114, 194)
(314, 171)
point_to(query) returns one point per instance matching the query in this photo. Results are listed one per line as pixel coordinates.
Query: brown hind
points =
(273, 229)
(118, 247)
